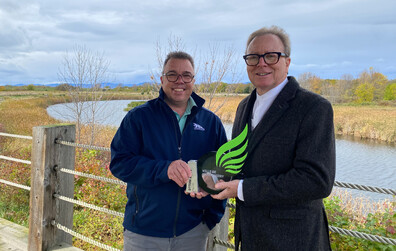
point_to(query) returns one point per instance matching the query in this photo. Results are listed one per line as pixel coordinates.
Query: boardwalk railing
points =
(52, 190)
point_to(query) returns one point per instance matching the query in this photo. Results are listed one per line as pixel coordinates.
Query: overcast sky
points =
(329, 38)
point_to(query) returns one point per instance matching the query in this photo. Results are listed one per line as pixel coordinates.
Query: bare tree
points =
(216, 65)
(84, 72)
(331, 90)
(174, 44)
(210, 68)
(310, 82)
(346, 83)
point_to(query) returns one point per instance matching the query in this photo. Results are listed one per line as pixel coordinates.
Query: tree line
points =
(370, 86)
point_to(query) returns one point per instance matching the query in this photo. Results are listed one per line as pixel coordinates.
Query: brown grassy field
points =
(369, 122)
(366, 122)
(21, 112)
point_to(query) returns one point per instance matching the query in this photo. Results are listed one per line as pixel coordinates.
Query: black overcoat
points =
(289, 169)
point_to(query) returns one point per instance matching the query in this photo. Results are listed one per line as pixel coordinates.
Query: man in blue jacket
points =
(149, 152)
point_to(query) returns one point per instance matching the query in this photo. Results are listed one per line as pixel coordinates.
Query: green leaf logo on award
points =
(225, 163)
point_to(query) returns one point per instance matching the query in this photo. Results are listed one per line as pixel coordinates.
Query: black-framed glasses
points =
(173, 77)
(269, 58)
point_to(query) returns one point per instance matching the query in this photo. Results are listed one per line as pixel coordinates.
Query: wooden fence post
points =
(45, 181)
(220, 231)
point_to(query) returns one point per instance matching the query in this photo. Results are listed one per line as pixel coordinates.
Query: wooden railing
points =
(52, 191)
(45, 182)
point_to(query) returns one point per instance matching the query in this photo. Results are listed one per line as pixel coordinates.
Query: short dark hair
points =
(274, 30)
(178, 55)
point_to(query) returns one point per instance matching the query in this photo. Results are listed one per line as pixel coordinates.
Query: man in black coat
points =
(290, 166)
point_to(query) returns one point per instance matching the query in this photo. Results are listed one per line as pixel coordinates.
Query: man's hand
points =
(179, 172)
(230, 189)
(207, 177)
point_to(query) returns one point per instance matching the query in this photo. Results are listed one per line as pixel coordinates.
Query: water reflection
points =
(366, 162)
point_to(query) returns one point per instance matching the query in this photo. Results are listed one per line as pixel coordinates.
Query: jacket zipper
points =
(176, 126)
(179, 148)
(137, 204)
(177, 212)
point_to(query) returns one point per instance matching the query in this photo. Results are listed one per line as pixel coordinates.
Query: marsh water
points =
(364, 162)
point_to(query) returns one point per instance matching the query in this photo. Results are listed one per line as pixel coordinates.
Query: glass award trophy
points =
(223, 164)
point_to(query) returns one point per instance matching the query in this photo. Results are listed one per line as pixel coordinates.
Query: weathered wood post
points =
(45, 181)
(221, 232)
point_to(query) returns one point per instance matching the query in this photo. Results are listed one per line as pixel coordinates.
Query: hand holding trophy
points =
(221, 165)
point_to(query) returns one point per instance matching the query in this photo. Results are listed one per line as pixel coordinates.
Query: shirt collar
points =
(190, 104)
(271, 93)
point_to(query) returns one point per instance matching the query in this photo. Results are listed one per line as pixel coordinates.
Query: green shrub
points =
(133, 104)
(382, 223)
(390, 92)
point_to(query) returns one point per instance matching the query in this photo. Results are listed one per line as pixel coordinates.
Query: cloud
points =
(328, 37)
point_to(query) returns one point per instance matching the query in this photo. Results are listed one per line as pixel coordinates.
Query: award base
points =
(192, 184)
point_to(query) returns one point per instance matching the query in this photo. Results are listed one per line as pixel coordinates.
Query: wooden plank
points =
(45, 181)
(13, 237)
(66, 159)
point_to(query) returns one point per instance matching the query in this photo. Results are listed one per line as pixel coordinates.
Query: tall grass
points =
(362, 215)
(369, 122)
(227, 112)
(365, 122)
(21, 115)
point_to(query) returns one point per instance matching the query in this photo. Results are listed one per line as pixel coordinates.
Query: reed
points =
(362, 215)
(19, 116)
(361, 206)
(366, 122)
(227, 111)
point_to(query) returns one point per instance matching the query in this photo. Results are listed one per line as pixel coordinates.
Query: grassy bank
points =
(366, 122)
(19, 114)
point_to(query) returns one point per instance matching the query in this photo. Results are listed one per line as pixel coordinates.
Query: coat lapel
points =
(274, 113)
(245, 115)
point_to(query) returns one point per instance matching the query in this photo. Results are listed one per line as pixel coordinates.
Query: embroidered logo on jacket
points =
(198, 127)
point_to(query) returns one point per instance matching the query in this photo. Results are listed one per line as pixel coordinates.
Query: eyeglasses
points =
(269, 58)
(173, 77)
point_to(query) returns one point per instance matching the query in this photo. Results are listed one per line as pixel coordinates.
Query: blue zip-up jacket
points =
(147, 141)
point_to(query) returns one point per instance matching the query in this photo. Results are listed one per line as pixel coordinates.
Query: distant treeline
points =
(370, 86)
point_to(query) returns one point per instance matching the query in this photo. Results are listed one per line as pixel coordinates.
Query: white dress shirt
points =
(260, 107)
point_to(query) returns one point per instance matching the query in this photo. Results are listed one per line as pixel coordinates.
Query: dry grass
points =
(21, 115)
(227, 111)
(103, 136)
(360, 206)
(369, 122)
